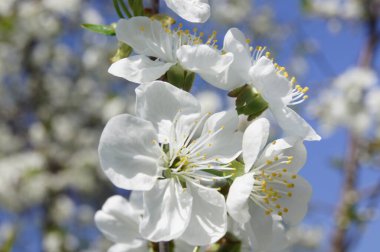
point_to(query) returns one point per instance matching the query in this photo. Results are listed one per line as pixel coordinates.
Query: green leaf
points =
(122, 52)
(102, 29)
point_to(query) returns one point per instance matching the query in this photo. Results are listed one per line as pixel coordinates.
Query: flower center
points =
(273, 185)
(185, 157)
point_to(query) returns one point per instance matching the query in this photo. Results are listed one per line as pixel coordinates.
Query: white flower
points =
(149, 38)
(119, 221)
(270, 185)
(155, 152)
(347, 102)
(230, 11)
(266, 78)
(196, 11)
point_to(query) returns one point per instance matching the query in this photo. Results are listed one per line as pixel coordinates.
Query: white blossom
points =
(151, 39)
(155, 152)
(270, 187)
(196, 11)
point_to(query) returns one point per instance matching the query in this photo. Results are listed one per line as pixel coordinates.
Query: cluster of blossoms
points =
(351, 102)
(194, 177)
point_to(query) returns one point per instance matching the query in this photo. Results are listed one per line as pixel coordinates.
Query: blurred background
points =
(56, 96)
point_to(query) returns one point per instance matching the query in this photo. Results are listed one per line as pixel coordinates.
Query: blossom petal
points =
(271, 85)
(235, 43)
(139, 69)
(146, 37)
(289, 146)
(293, 124)
(208, 221)
(297, 204)
(238, 197)
(118, 220)
(225, 145)
(254, 139)
(161, 101)
(196, 11)
(208, 62)
(259, 228)
(167, 211)
(126, 153)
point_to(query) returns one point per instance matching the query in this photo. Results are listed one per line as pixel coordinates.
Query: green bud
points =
(248, 101)
(122, 52)
(181, 78)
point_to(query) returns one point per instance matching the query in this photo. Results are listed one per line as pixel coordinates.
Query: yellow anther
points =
(298, 87)
(305, 89)
(267, 54)
(286, 75)
(195, 29)
(269, 162)
(286, 210)
(217, 159)
(222, 127)
(293, 80)
(305, 97)
(290, 194)
(216, 46)
(180, 25)
(209, 145)
(142, 28)
(248, 41)
(214, 33)
(284, 170)
(279, 213)
(290, 157)
(294, 176)
(268, 212)
(289, 161)
(201, 34)
(187, 32)
(276, 158)
(290, 185)
(278, 206)
(274, 142)
(274, 174)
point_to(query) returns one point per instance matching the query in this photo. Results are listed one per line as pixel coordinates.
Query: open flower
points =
(196, 11)
(266, 78)
(270, 186)
(156, 47)
(156, 152)
(119, 221)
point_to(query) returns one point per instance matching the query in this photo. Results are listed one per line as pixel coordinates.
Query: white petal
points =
(289, 146)
(298, 203)
(208, 62)
(196, 11)
(225, 145)
(167, 211)
(238, 198)
(254, 139)
(235, 43)
(160, 101)
(118, 220)
(146, 37)
(259, 228)
(126, 152)
(139, 69)
(271, 85)
(136, 246)
(208, 221)
(293, 124)
(136, 201)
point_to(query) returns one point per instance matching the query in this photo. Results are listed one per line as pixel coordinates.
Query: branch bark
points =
(340, 240)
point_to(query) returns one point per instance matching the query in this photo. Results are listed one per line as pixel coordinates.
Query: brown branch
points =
(340, 240)
(155, 6)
